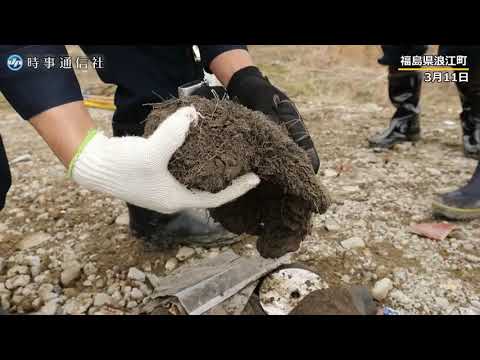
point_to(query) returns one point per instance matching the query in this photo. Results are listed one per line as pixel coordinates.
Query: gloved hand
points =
(250, 88)
(135, 169)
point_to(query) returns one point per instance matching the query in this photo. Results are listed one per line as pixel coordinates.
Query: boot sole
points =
(454, 213)
(205, 241)
(470, 155)
(413, 139)
(209, 241)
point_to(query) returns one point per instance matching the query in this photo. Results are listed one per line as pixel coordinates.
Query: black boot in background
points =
(461, 204)
(470, 117)
(464, 203)
(404, 89)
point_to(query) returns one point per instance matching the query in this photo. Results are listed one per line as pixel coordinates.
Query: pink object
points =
(434, 231)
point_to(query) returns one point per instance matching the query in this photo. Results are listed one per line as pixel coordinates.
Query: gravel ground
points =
(66, 250)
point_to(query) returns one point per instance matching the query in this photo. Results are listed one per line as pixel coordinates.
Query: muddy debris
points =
(230, 140)
(337, 301)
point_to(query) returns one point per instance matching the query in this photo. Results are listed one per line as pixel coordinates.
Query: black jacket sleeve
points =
(210, 52)
(32, 91)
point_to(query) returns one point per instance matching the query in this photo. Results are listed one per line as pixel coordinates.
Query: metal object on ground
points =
(207, 283)
(283, 290)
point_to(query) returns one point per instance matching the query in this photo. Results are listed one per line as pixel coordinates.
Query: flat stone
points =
(102, 299)
(185, 253)
(330, 173)
(123, 219)
(135, 274)
(17, 281)
(33, 240)
(353, 243)
(71, 272)
(332, 225)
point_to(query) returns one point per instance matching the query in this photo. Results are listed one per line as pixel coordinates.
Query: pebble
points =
(49, 308)
(33, 261)
(147, 266)
(112, 288)
(353, 243)
(350, 189)
(472, 258)
(71, 272)
(17, 270)
(381, 288)
(468, 247)
(185, 253)
(442, 302)
(77, 306)
(89, 269)
(136, 294)
(331, 225)
(102, 299)
(17, 299)
(171, 264)
(43, 278)
(17, 281)
(433, 171)
(329, 173)
(123, 219)
(131, 304)
(21, 158)
(135, 274)
(400, 297)
(33, 240)
(45, 291)
(116, 296)
(2, 264)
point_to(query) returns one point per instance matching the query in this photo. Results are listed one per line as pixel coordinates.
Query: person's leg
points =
(5, 176)
(404, 92)
(5, 183)
(158, 78)
(468, 92)
(464, 203)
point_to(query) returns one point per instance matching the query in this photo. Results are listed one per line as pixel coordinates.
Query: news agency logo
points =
(14, 62)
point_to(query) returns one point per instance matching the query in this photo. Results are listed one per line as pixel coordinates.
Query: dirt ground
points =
(341, 92)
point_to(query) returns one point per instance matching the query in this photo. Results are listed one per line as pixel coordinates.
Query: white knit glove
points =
(135, 170)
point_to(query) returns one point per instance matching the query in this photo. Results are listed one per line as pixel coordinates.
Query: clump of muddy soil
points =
(230, 140)
(337, 301)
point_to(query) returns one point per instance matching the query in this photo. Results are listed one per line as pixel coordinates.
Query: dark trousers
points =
(5, 176)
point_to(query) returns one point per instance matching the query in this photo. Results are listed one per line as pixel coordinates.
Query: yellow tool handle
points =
(107, 105)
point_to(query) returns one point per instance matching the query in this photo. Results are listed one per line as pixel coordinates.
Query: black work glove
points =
(5, 177)
(250, 88)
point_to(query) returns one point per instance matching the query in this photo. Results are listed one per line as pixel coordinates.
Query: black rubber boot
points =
(461, 204)
(470, 117)
(404, 91)
(193, 227)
